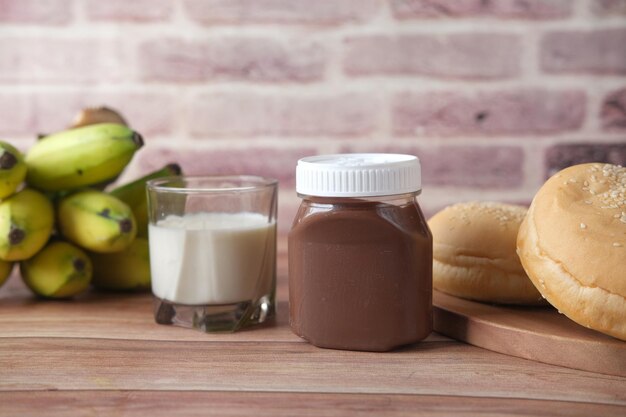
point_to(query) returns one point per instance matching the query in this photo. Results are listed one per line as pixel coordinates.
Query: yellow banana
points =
(59, 270)
(125, 270)
(96, 221)
(5, 271)
(79, 157)
(12, 169)
(134, 194)
(26, 221)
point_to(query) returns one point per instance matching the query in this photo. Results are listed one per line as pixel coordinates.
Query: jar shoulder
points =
(404, 217)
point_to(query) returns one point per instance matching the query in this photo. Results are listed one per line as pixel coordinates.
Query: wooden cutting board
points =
(536, 333)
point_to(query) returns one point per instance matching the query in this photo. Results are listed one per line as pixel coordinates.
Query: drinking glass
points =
(213, 250)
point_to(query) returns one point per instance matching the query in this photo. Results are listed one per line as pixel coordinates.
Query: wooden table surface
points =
(102, 354)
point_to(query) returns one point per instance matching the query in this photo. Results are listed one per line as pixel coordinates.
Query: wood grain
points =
(443, 368)
(540, 334)
(120, 316)
(103, 354)
(166, 404)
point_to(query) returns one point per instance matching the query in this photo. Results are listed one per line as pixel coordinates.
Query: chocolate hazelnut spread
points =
(360, 268)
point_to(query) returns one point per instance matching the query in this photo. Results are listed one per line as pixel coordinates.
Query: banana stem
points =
(137, 139)
(7, 160)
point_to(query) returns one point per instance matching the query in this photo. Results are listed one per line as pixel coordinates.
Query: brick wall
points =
(493, 95)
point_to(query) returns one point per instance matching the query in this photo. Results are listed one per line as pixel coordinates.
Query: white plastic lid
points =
(358, 175)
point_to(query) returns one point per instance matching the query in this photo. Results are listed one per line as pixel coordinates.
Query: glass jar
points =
(360, 253)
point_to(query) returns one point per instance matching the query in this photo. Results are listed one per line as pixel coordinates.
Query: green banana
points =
(5, 271)
(128, 270)
(96, 221)
(26, 221)
(59, 270)
(134, 194)
(79, 157)
(12, 169)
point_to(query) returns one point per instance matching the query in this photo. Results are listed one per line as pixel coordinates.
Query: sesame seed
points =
(586, 183)
(583, 226)
(613, 188)
(588, 202)
(617, 245)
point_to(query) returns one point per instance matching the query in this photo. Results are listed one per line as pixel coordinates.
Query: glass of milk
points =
(213, 250)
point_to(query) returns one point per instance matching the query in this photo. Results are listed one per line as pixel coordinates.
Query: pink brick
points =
(278, 163)
(16, 115)
(42, 12)
(321, 12)
(463, 55)
(563, 155)
(462, 166)
(29, 114)
(239, 58)
(250, 114)
(609, 7)
(518, 9)
(488, 113)
(148, 113)
(76, 60)
(125, 10)
(613, 112)
(600, 52)
(466, 166)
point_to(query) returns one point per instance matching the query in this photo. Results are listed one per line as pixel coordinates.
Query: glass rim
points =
(259, 183)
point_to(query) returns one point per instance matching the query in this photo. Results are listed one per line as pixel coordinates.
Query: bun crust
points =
(474, 253)
(572, 244)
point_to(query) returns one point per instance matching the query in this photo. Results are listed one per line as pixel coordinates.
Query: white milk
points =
(212, 258)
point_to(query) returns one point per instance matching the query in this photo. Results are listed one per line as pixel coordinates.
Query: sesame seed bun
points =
(572, 244)
(474, 253)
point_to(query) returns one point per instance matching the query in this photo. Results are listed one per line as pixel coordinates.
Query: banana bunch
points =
(56, 221)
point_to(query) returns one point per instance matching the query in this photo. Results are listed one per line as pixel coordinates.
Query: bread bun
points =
(573, 245)
(474, 253)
